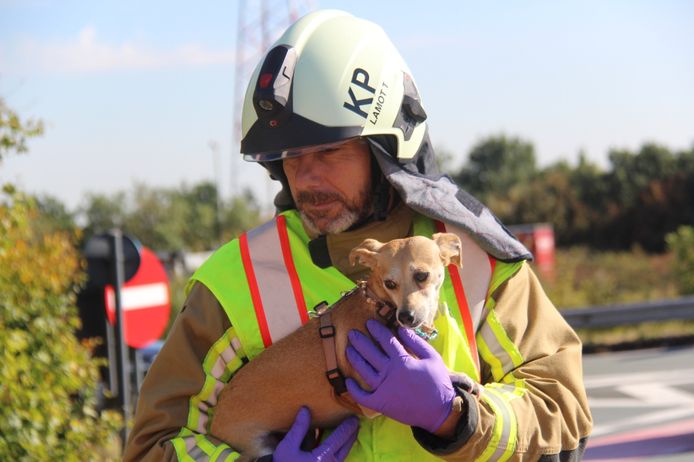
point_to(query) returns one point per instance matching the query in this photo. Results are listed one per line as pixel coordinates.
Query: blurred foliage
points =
(641, 198)
(169, 219)
(14, 131)
(48, 381)
(681, 244)
(53, 215)
(634, 336)
(584, 277)
(497, 164)
(177, 286)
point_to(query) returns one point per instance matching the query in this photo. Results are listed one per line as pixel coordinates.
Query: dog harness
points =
(385, 310)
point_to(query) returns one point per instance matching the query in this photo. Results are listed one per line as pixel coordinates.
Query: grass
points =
(583, 277)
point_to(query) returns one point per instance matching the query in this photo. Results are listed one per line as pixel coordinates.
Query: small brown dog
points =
(262, 399)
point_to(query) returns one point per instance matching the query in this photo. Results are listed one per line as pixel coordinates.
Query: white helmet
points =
(331, 77)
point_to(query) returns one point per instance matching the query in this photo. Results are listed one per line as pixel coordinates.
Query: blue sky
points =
(136, 91)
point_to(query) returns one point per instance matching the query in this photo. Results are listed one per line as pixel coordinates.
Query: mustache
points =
(317, 197)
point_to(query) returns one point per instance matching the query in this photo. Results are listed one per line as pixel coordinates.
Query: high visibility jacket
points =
(282, 283)
(533, 404)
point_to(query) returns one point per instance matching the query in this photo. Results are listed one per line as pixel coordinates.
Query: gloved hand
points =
(416, 391)
(333, 449)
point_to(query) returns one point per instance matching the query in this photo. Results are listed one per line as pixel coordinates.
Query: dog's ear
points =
(366, 253)
(450, 248)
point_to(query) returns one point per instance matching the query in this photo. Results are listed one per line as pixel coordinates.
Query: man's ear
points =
(450, 248)
(366, 253)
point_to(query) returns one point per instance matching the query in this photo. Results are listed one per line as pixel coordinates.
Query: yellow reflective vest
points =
(282, 284)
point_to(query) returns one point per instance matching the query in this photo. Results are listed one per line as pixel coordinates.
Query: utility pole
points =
(216, 162)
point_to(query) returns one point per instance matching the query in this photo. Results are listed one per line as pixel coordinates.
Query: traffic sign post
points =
(123, 362)
(126, 302)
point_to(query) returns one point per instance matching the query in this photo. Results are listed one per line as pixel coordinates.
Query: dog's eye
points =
(390, 284)
(421, 276)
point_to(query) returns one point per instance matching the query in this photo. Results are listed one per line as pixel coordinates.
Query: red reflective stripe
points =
(492, 263)
(464, 312)
(291, 269)
(255, 293)
(462, 303)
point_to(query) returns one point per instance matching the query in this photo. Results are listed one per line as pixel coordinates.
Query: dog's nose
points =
(406, 318)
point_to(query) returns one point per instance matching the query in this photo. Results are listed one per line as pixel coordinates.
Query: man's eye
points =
(390, 284)
(421, 276)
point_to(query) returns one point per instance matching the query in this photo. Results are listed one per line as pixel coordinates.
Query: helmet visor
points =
(296, 152)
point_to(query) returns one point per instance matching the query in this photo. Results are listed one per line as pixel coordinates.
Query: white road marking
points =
(674, 377)
(643, 390)
(651, 418)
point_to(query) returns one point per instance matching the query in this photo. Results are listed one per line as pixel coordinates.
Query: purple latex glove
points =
(416, 391)
(334, 448)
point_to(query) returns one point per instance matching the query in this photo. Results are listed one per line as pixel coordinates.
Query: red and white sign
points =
(145, 302)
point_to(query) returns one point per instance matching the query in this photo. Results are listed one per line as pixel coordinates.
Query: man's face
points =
(331, 187)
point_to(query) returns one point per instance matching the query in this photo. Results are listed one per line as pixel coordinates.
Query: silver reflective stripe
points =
(476, 274)
(196, 453)
(274, 284)
(220, 361)
(503, 413)
(497, 350)
(220, 366)
(225, 454)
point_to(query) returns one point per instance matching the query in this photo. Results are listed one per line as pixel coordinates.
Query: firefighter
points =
(333, 113)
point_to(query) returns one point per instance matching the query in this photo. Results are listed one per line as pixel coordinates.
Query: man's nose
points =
(309, 169)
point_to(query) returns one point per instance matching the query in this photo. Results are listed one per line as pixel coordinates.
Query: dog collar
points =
(384, 308)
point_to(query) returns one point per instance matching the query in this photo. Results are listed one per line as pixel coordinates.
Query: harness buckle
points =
(386, 312)
(326, 331)
(337, 380)
(320, 308)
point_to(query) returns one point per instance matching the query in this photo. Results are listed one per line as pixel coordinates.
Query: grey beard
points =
(352, 214)
(342, 223)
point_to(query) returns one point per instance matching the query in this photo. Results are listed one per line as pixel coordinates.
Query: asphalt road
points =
(643, 405)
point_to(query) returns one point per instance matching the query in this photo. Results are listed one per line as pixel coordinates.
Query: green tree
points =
(168, 219)
(54, 214)
(642, 197)
(205, 209)
(631, 173)
(495, 165)
(157, 218)
(650, 195)
(681, 244)
(240, 214)
(549, 197)
(102, 212)
(14, 132)
(48, 380)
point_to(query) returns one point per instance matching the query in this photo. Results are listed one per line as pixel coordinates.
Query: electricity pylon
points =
(260, 23)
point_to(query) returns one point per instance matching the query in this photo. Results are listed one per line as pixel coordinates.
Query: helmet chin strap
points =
(384, 197)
